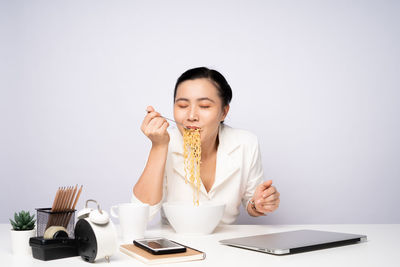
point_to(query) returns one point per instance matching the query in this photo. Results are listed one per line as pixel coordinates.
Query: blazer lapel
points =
(226, 163)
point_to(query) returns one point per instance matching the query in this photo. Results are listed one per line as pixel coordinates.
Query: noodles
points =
(192, 157)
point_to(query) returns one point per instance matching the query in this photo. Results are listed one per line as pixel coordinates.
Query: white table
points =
(382, 248)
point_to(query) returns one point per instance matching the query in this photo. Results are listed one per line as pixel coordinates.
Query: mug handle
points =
(113, 213)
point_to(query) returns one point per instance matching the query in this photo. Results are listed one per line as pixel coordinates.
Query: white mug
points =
(133, 219)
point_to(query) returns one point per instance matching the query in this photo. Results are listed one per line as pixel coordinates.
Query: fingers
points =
(269, 199)
(265, 190)
(269, 191)
(268, 206)
(156, 123)
(164, 126)
(154, 127)
(272, 198)
(151, 114)
(267, 184)
(262, 187)
(150, 109)
(269, 196)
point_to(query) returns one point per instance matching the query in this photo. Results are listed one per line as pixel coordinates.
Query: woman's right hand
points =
(155, 127)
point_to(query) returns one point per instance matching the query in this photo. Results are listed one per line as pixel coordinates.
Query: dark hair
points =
(224, 89)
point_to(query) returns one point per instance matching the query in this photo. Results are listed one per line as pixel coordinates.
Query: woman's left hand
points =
(266, 197)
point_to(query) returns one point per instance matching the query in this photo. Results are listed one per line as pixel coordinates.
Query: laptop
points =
(294, 241)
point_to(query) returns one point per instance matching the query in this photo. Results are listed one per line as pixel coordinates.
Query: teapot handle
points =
(113, 212)
(92, 200)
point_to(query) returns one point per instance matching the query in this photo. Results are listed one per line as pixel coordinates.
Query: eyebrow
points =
(198, 99)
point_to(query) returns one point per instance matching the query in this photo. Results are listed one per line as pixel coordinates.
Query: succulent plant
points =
(23, 221)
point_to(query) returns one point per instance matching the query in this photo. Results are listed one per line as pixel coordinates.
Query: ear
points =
(225, 112)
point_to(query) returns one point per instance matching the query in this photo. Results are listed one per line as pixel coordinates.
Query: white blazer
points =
(238, 172)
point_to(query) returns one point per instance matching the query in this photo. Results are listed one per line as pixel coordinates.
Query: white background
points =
(316, 81)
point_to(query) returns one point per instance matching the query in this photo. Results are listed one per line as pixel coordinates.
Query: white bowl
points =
(186, 218)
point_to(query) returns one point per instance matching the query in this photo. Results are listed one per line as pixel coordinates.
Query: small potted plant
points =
(23, 228)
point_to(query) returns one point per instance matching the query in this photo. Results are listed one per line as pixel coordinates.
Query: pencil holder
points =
(47, 218)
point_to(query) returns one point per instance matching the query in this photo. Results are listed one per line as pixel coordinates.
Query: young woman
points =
(230, 169)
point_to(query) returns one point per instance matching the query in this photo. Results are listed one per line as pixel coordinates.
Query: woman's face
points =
(197, 104)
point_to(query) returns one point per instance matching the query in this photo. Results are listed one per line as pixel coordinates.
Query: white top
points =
(238, 172)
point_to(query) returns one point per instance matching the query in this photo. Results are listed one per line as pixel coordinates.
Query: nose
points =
(193, 114)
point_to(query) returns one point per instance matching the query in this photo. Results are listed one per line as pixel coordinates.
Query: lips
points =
(193, 127)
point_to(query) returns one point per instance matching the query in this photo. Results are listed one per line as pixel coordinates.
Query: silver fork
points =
(172, 121)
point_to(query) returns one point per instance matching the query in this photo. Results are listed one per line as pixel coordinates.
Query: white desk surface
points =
(381, 249)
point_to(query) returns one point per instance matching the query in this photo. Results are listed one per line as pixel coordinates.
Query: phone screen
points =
(159, 245)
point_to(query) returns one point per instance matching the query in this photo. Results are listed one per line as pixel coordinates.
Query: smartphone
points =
(159, 245)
